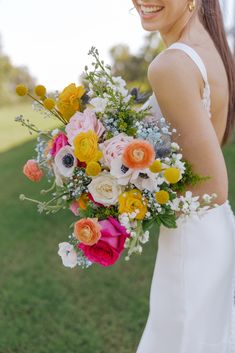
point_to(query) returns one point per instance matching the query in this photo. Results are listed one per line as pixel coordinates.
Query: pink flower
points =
(74, 208)
(32, 170)
(114, 147)
(60, 141)
(82, 122)
(110, 246)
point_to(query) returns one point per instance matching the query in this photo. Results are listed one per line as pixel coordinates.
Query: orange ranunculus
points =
(70, 100)
(138, 154)
(32, 170)
(87, 231)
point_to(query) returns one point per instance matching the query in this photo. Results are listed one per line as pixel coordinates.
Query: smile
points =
(149, 12)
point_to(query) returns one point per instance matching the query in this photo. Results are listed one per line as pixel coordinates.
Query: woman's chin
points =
(150, 27)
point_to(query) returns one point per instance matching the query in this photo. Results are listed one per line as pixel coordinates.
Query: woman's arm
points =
(176, 82)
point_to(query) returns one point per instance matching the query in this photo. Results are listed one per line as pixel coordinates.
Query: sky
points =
(52, 37)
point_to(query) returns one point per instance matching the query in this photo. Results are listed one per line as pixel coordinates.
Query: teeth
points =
(150, 9)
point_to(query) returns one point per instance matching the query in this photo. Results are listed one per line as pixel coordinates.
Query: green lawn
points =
(47, 308)
(12, 133)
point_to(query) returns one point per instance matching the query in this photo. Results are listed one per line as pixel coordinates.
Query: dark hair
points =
(211, 17)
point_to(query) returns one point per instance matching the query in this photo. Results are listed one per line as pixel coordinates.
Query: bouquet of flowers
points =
(111, 163)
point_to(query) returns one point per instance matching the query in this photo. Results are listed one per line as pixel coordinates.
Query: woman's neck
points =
(185, 29)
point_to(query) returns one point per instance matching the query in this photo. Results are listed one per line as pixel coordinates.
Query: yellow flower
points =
(21, 90)
(132, 200)
(70, 100)
(49, 103)
(93, 168)
(86, 147)
(162, 197)
(40, 90)
(172, 175)
(156, 167)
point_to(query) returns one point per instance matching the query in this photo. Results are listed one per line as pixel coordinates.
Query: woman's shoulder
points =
(175, 68)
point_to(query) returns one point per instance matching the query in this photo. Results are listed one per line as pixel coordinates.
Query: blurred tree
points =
(133, 67)
(10, 76)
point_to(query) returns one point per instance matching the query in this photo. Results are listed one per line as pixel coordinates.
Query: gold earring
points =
(192, 5)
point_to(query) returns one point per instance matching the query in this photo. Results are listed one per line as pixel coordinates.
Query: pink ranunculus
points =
(82, 122)
(32, 171)
(113, 148)
(74, 208)
(60, 141)
(110, 246)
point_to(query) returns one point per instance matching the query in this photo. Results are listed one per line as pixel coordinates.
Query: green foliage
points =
(98, 212)
(189, 178)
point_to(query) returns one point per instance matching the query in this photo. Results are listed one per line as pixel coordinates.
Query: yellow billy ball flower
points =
(86, 147)
(93, 168)
(132, 200)
(40, 90)
(162, 197)
(172, 175)
(49, 103)
(21, 90)
(156, 167)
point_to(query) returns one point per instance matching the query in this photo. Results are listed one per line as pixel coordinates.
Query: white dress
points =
(192, 295)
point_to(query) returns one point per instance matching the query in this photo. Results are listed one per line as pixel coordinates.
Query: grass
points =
(47, 308)
(11, 133)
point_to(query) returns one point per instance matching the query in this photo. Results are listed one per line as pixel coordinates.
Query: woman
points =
(192, 306)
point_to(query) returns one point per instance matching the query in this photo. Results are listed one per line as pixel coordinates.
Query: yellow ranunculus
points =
(132, 200)
(40, 90)
(93, 168)
(172, 175)
(162, 197)
(49, 103)
(86, 147)
(21, 90)
(70, 100)
(156, 167)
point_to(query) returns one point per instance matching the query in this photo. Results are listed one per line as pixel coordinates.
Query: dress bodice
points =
(206, 100)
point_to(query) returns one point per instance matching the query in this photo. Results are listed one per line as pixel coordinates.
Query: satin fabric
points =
(191, 308)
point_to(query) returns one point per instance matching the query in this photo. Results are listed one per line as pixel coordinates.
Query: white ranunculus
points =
(105, 189)
(65, 161)
(68, 255)
(99, 104)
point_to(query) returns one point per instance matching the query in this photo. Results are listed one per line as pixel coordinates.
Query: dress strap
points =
(193, 55)
(201, 66)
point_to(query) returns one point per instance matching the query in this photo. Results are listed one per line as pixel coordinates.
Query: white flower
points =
(105, 189)
(55, 132)
(119, 86)
(65, 161)
(99, 104)
(142, 179)
(175, 146)
(58, 179)
(68, 255)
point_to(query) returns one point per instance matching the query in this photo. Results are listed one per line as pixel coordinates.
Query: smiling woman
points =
(192, 305)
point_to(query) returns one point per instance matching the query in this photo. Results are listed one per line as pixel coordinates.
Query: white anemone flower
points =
(65, 161)
(67, 254)
(141, 178)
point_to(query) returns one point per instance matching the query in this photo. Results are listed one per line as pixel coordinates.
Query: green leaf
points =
(151, 225)
(168, 221)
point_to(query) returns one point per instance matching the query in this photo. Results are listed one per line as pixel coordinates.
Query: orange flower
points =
(138, 154)
(83, 201)
(32, 170)
(87, 230)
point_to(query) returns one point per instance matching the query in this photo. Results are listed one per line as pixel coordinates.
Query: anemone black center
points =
(68, 160)
(144, 175)
(124, 169)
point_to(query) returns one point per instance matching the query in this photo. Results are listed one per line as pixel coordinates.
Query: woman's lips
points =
(150, 15)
